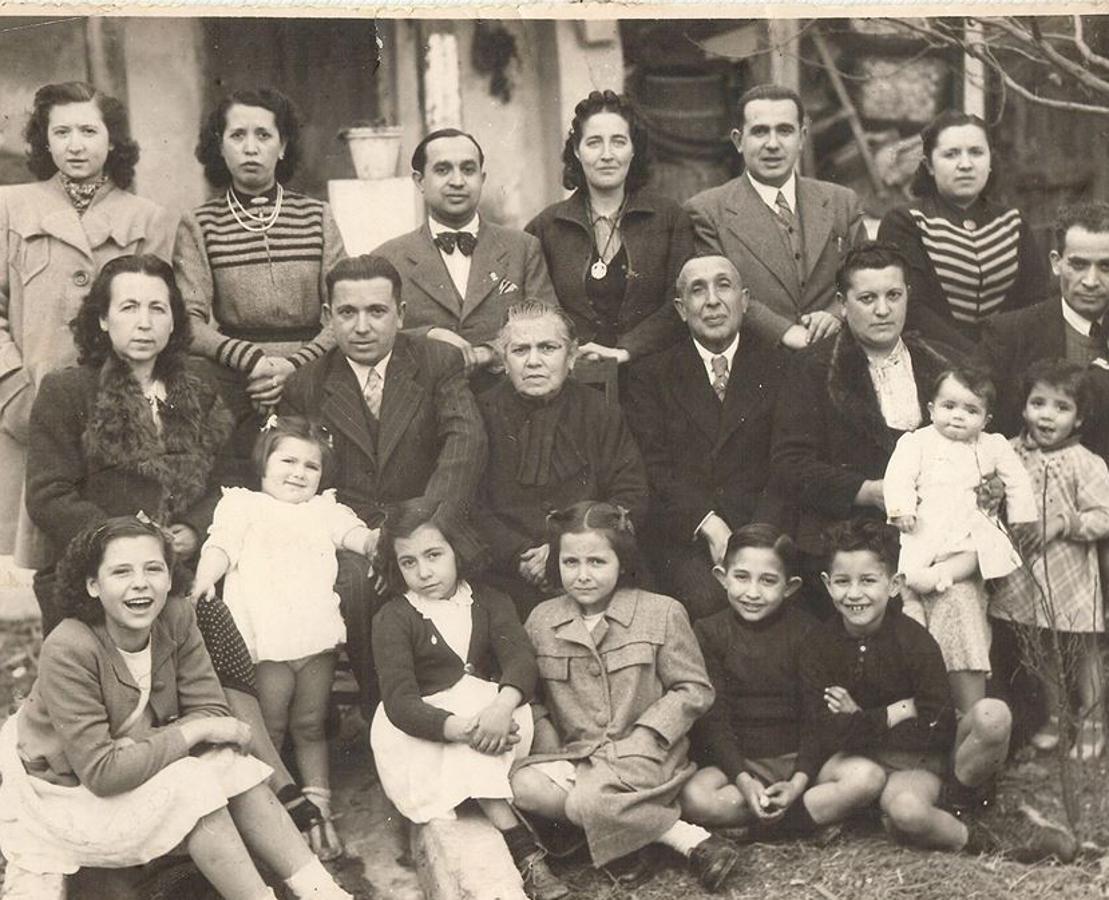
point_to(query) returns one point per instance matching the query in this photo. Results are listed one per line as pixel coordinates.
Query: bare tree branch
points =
(1084, 48)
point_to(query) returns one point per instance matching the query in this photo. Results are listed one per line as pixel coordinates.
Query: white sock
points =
(312, 882)
(268, 895)
(684, 836)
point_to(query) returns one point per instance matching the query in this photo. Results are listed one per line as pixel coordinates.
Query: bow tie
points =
(447, 240)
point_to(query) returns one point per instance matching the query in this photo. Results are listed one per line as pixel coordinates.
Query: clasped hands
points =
(840, 702)
(266, 381)
(769, 803)
(491, 731)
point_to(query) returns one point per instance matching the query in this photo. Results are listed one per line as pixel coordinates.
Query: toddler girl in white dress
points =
(276, 548)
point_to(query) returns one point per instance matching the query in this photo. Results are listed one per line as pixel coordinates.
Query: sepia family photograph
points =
(591, 452)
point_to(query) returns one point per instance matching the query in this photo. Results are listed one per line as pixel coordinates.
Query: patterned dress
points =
(1062, 587)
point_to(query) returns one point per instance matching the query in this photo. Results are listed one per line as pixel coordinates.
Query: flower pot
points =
(375, 152)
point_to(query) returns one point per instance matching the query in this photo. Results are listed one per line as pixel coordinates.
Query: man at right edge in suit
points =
(784, 233)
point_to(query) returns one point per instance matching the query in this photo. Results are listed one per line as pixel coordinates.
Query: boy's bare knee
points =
(907, 812)
(991, 720)
(867, 779)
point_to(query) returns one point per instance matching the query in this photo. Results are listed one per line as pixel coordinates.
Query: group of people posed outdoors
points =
(761, 581)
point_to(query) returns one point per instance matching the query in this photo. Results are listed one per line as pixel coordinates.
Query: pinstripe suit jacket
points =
(429, 441)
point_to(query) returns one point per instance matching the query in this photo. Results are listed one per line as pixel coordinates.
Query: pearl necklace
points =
(260, 224)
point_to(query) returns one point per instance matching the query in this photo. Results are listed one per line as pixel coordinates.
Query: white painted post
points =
(974, 73)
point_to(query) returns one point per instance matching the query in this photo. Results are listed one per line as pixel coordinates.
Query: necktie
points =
(720, 373)
(372, 392)
(782, 206)
(792, 233)
(1097, 335)
(448, 240)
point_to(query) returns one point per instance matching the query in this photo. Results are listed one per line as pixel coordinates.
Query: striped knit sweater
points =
(248, 288)
(967, 264)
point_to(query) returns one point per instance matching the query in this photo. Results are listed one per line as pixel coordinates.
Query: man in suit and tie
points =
(785, 234)
(1071, 327)
(402, 420)
(459, 273)
(702, 411)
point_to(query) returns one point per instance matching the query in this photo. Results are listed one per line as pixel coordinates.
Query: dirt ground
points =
(859, 863)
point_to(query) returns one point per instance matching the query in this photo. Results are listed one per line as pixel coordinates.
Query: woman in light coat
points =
(55, 235)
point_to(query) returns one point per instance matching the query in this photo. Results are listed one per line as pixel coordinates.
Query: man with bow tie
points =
(402, 421)
(701, 412)
(785, 234)
(460, 273)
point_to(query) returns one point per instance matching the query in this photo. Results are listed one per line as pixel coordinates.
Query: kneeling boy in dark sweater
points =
(880, 686)
(760, 756)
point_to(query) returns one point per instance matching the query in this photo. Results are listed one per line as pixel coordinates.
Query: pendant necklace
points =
(599, 269)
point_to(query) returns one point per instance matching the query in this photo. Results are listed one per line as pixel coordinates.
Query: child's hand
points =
(754, 795)
(369, 546)
(839, 701)
(493, 734)
(1028, 537)
(1056, 527)
(990, 492)
(201, 592)
(457, 730)
(533, 564)
(904, 524)
(781, 795)
(216, 730)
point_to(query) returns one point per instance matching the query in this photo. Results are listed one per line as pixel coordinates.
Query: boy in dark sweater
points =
(761, 759)
(880, 686)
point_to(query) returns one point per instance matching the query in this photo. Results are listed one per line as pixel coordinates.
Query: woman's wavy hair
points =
(93, 344)
(85, 553)
(573, 176)
(924, 182)
(210, 140)
(533, 311)
(278, 427)
(124, 152)
(402, 521)
(609, 519)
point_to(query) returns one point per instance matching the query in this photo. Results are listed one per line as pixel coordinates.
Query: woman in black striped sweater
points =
(251, 262)
(971, 257)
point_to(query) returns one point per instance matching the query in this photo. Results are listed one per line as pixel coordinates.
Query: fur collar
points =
(852, 392)
(120, 434)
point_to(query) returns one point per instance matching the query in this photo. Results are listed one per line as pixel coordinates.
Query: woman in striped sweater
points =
(252, 261)
(971, 257)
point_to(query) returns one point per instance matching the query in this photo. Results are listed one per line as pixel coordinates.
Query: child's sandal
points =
(304, 813)
(1047, 738)
(322, 836)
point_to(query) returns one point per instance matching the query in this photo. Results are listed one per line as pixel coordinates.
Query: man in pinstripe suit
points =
(402, 420)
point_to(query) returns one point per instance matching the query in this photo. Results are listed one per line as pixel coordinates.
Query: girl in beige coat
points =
(622, 681)
(55, 235)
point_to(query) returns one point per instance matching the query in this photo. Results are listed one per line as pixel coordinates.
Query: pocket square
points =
(507, 286)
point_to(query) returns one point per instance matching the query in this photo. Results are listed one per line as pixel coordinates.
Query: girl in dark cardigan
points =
(456, 670)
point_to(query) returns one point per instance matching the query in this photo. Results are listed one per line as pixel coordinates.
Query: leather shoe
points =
(712, 862)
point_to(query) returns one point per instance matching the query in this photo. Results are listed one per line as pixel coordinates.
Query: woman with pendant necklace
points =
(970, 257)
(614, 248)
(254, 258)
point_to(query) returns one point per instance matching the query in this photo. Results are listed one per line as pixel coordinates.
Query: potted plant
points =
(374, 148)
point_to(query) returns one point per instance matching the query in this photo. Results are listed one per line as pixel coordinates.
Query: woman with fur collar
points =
(849, 399)
(135, 428)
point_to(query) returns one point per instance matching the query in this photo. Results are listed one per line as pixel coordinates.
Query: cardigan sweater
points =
(901, 660)
(967, 274)
(755, 669)
(70, 726)
(657, 237)
(413, 660)
(244, 287)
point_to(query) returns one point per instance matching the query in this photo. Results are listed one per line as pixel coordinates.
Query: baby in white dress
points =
(931, 489)
(276, 548)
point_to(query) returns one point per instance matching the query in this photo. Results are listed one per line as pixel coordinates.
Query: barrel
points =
(686, 112)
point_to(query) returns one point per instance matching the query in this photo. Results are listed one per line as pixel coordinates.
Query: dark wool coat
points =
(95, 452)
(413, 660)
(658, 238)
(829, 434)
(590, 455)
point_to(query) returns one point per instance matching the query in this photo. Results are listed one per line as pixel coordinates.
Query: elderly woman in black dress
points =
(552, 442)
(970, 256)
(136, 428)
(614, 248)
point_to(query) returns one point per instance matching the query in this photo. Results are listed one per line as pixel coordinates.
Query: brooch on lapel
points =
(505, 285)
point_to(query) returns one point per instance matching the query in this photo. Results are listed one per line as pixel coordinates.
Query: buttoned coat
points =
(507, 266)
(49, 257)
(71, 724)
(428, 441)
(657, 238)
(623, 697)
(732, 220)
